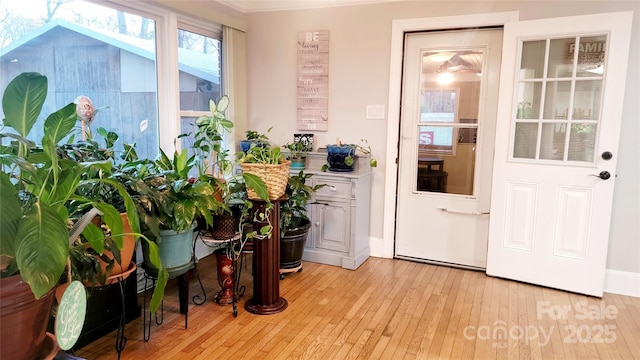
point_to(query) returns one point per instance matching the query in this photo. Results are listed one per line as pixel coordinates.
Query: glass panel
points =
(591, 56)
(529, 95)
(104, 54)
(561, 58)
(532, 63)
(525, 140)
(582, 142)
(438, 106)
(453, 174)
(552, 141)
(446, 154)
(200, 54)
(435, 138)
(586, 102)
(556, 100)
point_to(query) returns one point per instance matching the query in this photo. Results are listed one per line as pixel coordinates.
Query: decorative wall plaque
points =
(313, 80)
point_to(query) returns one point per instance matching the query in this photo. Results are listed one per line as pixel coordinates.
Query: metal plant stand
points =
(183, 296)
(229, 281)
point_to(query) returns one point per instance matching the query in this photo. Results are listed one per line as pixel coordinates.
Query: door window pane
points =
(532, 61)
(525, 140)
(586, 101)
(552, 141)
(592, 52)
(561, 58)
(556, 100)
(529, 100)
(581, 142)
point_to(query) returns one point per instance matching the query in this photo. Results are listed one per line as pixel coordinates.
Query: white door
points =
(559, 117)
(449, 102)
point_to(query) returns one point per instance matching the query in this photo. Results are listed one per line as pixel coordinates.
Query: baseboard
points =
(377, 248)
(622, 283)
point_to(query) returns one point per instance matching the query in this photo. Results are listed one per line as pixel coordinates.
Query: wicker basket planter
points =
(275, 176)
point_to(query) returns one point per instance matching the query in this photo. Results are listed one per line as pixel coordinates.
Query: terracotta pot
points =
(126, 253)
(23, 320)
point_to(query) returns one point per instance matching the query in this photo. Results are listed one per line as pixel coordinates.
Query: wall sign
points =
(313, 80)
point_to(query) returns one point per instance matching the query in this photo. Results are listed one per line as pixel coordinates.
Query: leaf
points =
(23, 100)
(223, 103)
(60, 123)
(111, 217)
(43, 249)
(95, 237)
(9, 208)
(256, 184)
(163, 277)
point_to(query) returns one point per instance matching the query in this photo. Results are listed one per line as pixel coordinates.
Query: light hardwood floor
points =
(390, 309)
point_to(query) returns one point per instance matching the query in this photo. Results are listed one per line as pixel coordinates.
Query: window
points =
(110, 55)
(438, 109)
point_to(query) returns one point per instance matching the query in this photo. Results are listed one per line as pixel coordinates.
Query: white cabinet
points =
(339, 215)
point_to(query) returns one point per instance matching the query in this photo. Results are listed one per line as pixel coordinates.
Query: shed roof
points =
(192, 62)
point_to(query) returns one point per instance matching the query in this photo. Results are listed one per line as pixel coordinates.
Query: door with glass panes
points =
(559, 117)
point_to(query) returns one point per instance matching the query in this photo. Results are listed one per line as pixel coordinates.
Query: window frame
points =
(167, 66)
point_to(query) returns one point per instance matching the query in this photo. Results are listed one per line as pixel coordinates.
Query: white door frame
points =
(398, 28)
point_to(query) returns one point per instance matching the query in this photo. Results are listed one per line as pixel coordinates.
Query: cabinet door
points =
(332, 221)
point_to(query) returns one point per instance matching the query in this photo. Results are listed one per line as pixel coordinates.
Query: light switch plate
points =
(375, 112)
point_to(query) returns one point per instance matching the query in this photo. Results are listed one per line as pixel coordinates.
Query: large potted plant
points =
(294, 222)
(37, 189)
(215, 167)
(169, 201)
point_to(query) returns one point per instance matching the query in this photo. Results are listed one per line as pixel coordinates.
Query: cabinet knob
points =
(317, 223)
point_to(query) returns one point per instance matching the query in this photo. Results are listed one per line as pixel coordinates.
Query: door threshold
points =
(440, 263)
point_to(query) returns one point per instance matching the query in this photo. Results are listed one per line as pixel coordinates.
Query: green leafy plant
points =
(38, 189)
(296, 149)
(293, 210)
(351, 151)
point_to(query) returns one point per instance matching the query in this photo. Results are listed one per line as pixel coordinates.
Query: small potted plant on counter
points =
(297, 152)
(342, 157)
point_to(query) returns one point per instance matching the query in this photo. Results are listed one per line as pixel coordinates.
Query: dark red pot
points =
(23, 319)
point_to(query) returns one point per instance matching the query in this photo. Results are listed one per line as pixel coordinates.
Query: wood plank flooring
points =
(389, 309)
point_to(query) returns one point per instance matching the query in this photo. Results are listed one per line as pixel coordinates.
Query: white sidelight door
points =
(561, 90)
(449, 104)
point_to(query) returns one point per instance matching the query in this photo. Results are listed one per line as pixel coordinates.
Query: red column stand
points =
(266, 298)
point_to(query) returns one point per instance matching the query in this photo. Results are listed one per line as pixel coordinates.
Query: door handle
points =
(604, 175)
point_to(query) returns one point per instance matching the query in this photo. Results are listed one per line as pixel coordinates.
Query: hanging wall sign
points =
(313, 80)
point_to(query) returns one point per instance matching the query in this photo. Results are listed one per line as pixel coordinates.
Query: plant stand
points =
(227, 267)
(183, 297)
(121, 340)
(266, 298)
(289, 271)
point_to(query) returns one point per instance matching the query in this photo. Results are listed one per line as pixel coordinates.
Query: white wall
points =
(359, 76)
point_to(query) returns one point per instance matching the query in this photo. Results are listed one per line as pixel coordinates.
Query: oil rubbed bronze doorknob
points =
(604, 175)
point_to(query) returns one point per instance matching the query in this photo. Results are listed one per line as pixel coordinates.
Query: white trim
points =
(622, 283)
(398, 29)
(375, 247)
(168, 78)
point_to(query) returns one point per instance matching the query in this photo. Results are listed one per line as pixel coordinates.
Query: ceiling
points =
(248, 6)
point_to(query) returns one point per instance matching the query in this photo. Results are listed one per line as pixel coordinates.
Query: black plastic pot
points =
(292, 246)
